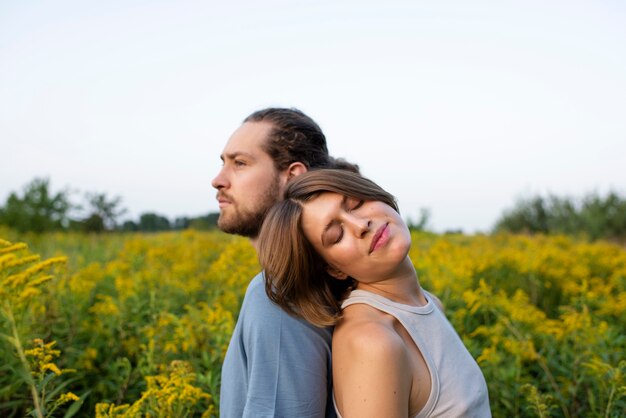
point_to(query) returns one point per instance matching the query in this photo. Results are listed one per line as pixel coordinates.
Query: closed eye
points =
(359, 204)
(335, 234)
(338, 229)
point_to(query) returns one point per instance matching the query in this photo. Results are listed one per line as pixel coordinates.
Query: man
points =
(275, 365)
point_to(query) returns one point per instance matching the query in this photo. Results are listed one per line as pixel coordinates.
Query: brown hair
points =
(295, 137)
(296, 277)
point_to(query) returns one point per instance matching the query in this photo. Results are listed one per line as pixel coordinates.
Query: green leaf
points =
(53, 393)
(10, 339)
(73, 409)
(41, 385)
(5, 406)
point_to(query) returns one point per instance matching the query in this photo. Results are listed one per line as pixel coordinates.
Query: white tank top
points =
(458, 387)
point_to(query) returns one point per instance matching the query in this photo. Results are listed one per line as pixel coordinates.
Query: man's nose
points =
(220, 181)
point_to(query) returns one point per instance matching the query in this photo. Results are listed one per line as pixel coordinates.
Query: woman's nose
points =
(359, 226)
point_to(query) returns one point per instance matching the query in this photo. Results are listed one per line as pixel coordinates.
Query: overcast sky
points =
(460, 107)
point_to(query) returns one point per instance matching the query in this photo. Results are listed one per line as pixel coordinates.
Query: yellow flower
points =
(67, 397)
(52, 367)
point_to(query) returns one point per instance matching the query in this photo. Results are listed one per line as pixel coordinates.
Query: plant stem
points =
(20, 352)
(608, 404)
(544, 366)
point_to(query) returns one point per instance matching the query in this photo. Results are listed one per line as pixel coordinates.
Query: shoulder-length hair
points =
(296, 276)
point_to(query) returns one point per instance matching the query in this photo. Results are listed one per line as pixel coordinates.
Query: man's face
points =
(248, 183)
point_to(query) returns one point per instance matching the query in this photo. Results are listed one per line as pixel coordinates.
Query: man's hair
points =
(296, 277)
(295, 137)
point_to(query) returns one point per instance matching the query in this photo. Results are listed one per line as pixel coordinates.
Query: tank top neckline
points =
(359, 293)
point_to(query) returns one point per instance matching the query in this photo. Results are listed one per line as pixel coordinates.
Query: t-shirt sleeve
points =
(288, 362)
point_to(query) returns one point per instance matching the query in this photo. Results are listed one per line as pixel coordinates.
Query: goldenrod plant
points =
(143, 320)
(170, 394)
(22, 276)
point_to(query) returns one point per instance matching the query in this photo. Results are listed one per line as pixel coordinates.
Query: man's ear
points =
(336, 273)
(295, 169)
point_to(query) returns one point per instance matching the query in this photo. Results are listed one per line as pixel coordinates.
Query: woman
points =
(335, 252)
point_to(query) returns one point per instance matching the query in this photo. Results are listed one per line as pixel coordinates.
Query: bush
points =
(593, 216)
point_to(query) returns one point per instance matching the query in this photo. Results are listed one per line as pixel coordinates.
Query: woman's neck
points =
(402, 287)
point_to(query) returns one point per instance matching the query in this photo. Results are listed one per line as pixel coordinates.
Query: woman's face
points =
(366, 240)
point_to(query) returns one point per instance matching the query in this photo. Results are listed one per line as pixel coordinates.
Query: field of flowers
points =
(137, 325)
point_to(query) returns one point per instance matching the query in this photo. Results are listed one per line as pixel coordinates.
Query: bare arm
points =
(371, 373)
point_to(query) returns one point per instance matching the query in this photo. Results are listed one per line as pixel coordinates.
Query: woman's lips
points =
(380, 238)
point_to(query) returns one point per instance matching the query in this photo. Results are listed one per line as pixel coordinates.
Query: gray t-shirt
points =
(276, 365)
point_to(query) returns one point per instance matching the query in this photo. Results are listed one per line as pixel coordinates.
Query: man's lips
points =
(223, 201)
(380, 237)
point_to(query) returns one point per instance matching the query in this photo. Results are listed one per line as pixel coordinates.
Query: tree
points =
(204, 222)
(182, 222)
(422, 223)
(130, 226)
(103, 213)
(604, 217)
(528, 215)
(38, 210)
(593, 215)
(151, 222)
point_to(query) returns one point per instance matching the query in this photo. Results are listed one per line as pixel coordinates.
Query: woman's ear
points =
(336, 273)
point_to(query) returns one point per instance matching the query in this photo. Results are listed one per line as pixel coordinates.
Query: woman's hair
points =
(296, 277)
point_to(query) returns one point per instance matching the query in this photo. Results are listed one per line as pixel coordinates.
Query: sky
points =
(458, 107)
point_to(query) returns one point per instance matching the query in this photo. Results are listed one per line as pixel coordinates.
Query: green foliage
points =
(102, 213)
(593, 216)
(421, 224)
(93, 223)
(37, 210)
(129, 309)
(33, 370)
(139, 319)
(129, 226)
(152, 222)
(204, 222)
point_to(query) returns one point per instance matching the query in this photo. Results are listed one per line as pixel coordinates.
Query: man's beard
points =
(247, 222)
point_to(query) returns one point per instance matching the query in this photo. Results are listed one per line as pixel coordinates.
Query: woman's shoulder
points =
(366, 348)
(363, 329)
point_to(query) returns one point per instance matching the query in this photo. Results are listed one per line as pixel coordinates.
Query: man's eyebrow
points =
(331, 223)
(233, 155)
